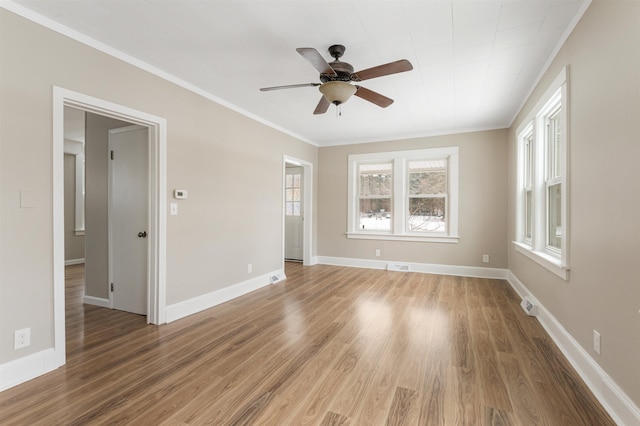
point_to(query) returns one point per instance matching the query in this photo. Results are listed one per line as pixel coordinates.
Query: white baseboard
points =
(96, 301)
(427, 268)
(74, 262)
(209, 300)
(619, 406)
(29, 367)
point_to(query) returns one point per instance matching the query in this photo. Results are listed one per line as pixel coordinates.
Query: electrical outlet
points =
(377, 252)
(485, 258)
(22, 338)
(596, 342)
(249, 268)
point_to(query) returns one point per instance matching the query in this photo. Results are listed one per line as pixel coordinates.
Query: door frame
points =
(157, 200)
(110, 217)
(307, 222)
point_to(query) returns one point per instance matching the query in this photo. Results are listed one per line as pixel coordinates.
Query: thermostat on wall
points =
(180, 194)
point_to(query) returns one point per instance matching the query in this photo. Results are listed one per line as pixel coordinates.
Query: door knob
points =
(142, 234)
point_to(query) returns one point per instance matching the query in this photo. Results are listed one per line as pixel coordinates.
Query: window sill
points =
(549, 262)
(398, 237)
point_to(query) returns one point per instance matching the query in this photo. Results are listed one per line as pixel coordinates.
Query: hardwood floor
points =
(328, 346)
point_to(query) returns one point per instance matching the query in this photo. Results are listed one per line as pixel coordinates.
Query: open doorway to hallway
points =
(297, 210)
(293, 213)
(106, 208)
(99, 206)
(156, 234)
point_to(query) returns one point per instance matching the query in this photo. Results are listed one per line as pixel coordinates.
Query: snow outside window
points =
(404, 195)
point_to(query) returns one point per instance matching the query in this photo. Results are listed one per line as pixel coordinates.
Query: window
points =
(427, 196)
(553, 179)
(404, 195)
(541, 222)
(76, 148)
(292, 194)
(374, 196)
(528, 184)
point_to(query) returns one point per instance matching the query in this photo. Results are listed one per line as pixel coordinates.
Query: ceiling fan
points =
(336, 78)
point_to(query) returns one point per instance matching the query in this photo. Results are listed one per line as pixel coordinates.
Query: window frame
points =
(400, 195)
(554, 103)
(361, 197)
(430, 196)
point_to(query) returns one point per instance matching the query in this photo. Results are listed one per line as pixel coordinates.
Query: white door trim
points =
(157, 194)
(307, 224)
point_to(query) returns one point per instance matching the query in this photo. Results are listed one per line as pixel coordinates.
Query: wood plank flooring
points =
(328, 346)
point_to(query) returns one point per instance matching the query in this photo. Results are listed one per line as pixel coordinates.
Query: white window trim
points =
(536, 249)
(399, 198)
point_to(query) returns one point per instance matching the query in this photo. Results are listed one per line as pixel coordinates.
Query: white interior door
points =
(128, 218)
(294, 214)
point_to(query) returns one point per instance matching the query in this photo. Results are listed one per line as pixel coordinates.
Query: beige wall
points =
(482, 213)
(73, 244)
(96, 203)
(603, 55)
(231, 165)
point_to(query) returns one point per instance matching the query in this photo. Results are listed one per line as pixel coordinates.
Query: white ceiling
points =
(474, 61)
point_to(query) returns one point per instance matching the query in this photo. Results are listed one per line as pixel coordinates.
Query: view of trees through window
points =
(404, 195)
(374, 193)
(427, 196)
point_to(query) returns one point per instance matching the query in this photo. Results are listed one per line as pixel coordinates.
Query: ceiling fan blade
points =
(290, 86)
(391, 68)
(322, 107)
(316, 59)
(373, 97)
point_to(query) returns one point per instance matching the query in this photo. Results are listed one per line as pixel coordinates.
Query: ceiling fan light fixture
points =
(337, 92)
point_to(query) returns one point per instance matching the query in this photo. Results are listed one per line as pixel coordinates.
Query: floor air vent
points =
(402, 267)
(275, 278)
(529, 307)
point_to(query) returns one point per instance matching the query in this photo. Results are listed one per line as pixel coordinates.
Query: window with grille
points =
(541, 222)
(292, 194)
(409, 195)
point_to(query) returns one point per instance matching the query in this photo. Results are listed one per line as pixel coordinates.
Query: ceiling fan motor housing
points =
(342, 69)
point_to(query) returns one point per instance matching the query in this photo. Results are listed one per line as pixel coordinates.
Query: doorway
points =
(293, 212)
(297, 210)
(156, 232)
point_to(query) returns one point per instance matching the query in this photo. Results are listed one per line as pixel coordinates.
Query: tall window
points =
(374, 196)
(427, 196)
(553, 179)
(410, 195)
(542, 174)
(528, 184)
